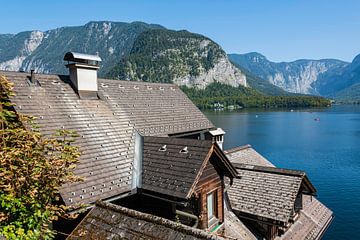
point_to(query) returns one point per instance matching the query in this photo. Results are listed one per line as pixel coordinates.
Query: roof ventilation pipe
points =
(32, 76)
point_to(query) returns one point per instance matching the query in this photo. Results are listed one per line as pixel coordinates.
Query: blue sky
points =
(281, 30)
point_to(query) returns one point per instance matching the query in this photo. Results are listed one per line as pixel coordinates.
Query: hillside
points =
(297, 76)
(341, 83)
(177, 56)
(44, 51)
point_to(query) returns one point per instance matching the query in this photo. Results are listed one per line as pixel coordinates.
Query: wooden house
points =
(275, 203)
(145, 146)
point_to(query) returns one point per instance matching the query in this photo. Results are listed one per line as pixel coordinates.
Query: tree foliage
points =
(248, 98)
(32, 169)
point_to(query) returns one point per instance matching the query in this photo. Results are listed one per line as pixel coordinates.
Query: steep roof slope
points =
(109, 221)
(154, 108)
(106, 141)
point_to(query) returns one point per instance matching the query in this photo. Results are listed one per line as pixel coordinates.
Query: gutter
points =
(184, 204)
(189, 215)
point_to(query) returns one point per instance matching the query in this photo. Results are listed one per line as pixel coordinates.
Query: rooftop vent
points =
(184, 150)
(32, 76)
(163, 148)
(83, 73)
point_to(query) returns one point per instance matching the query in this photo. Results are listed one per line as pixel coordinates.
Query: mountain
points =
(44, 51)
(185, 58)
(341, 83)
(170, 56)
(262, 85)
(297, 76)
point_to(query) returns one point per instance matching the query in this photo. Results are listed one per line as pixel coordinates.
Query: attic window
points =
(161, 88)
(163, 148)
(184, 150)
(136, 87)
(149, 88)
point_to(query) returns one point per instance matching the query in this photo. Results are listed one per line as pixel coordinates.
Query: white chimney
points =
(83, 73)
(218, 136)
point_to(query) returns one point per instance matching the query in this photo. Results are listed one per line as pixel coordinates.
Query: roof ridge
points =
(235, 149)
(274, 170)
(137, 82)
(157, 220)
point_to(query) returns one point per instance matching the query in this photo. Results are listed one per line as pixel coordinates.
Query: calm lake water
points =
(327, 149)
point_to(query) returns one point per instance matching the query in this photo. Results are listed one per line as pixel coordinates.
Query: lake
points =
(323, 142)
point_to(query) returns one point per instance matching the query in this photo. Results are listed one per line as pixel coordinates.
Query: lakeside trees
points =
(247, 98)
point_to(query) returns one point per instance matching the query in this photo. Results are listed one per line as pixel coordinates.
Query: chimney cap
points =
(81, 57)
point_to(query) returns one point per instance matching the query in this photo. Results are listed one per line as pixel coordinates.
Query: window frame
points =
(214, 206)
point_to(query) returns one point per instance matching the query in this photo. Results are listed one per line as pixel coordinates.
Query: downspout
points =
(137, 163)
(189, 215)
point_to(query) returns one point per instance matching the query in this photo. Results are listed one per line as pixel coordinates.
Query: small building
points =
(275, 203)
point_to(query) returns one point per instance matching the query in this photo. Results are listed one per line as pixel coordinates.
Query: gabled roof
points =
(169, 171)
(247, 155)
(155, 109)
(106, 126)
(267, 192)
(109, 221)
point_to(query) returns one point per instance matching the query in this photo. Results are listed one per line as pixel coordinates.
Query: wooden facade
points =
(210, 182)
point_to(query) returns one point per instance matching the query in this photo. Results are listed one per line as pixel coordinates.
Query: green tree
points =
(32, 169)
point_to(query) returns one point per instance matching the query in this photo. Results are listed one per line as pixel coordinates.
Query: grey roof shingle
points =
(265, 191)
(247, 155)
(313, 221)
(109, 221)
(174, 173)
(106, 126)
(155, 109)
(171, 172)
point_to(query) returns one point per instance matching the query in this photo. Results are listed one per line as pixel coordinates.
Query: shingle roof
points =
(109, 221)
(247, 155)
(172, 172)
(266, 192)
(105, 126)
(155, 109)
(106, 141)
(313, 221)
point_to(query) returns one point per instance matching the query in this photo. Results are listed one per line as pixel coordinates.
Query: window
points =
(211, 206)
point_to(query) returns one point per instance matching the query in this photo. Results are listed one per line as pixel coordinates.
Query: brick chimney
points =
(83, 73)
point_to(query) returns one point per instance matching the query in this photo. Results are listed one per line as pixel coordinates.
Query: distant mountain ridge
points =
(326, 77)
(44, 51)
(341, 83)
(195, 60)
(298, 76)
